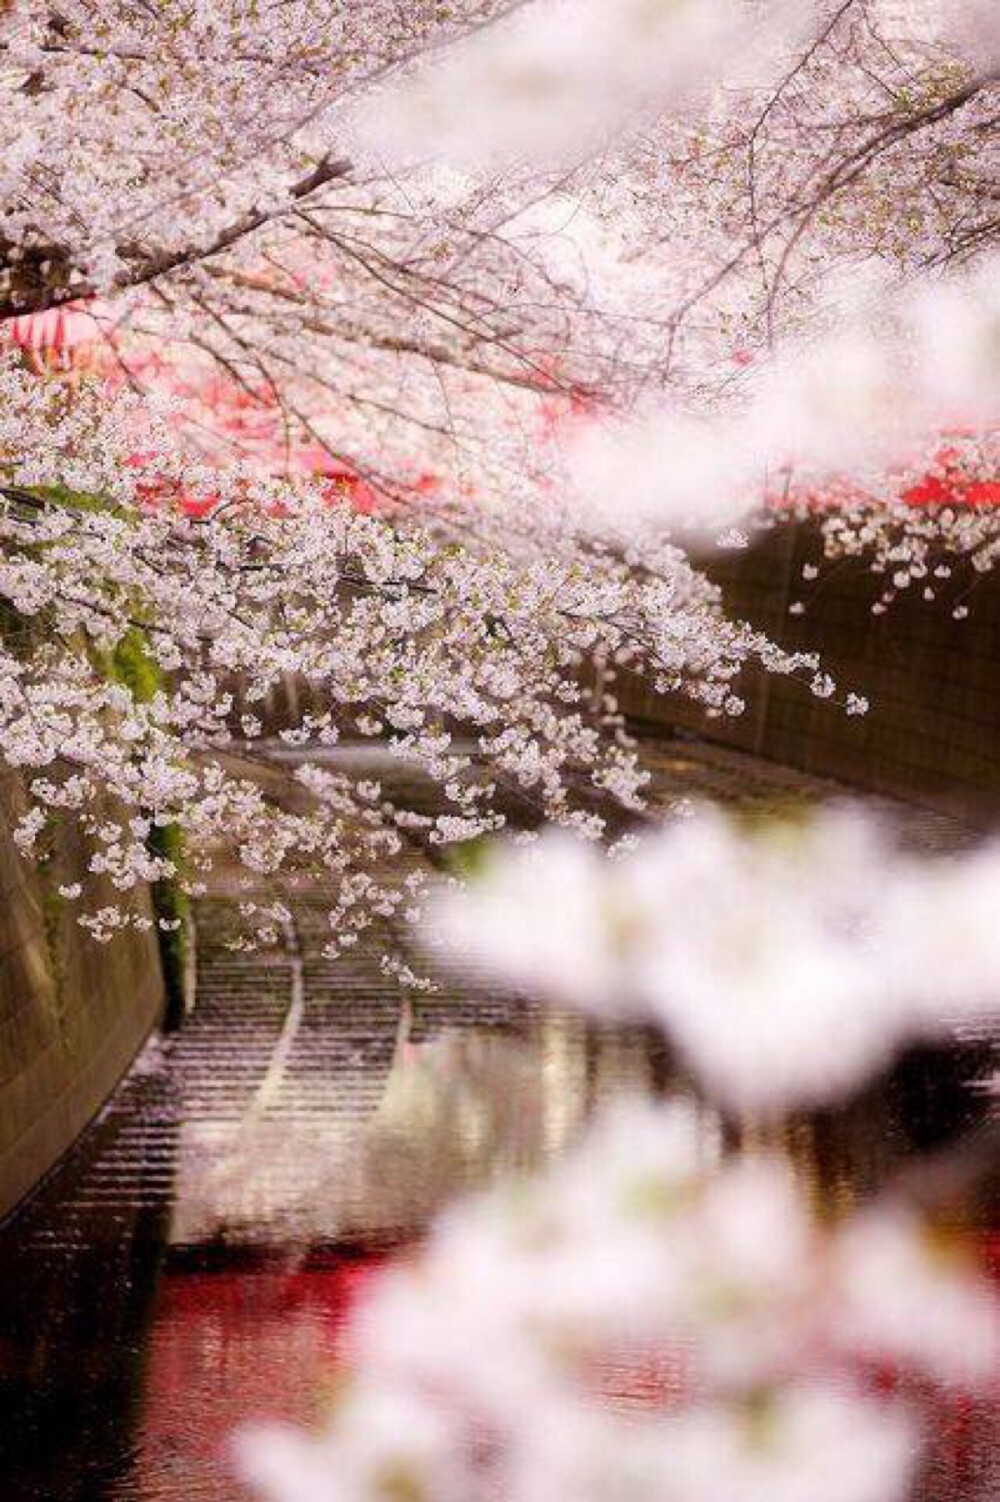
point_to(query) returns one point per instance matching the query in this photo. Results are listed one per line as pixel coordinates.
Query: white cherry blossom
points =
(501, 1350)
(787, 964)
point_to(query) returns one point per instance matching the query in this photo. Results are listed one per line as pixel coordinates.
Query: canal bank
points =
(928, 669)
(73, 1013)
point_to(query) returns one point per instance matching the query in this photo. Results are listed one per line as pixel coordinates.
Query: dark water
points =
(192, 1265)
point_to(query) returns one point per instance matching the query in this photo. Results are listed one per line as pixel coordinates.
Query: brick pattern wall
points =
(932, 734)
(73, 1014)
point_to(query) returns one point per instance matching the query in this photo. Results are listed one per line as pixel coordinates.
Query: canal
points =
(191, 1265)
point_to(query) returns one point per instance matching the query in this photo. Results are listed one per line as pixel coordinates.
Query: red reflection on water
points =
(232, 1346)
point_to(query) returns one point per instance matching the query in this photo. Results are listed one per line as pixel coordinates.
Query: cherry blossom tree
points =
(279, 194)
(292, 260)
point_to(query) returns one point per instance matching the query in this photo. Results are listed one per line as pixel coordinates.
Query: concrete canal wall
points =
(73, 1013)
(932, 734)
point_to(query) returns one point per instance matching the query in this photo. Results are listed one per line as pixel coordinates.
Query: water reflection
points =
(80, 1274)
(364, 1154)
(225, 1343)
(195, 1261)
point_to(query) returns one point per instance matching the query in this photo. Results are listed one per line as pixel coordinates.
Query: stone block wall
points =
(73, 1013)
(932, 734)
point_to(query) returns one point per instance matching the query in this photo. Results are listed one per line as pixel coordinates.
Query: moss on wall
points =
(133, 665)
(172, 907)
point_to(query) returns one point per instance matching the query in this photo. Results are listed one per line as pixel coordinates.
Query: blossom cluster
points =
(556, 78)
(860, 406)
(786, 963)
(129, 132)
(934, 534)
(661, 1314)
(408, 323)
(649, 1318)
(118, 546)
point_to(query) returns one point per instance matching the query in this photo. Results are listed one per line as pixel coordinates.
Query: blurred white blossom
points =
(911, 1297)
(670, 468)
(867, 397)
(553, 79)
(385, 1437)
(480, 1367)
(786, 964)
(956, 334)
(973, 28)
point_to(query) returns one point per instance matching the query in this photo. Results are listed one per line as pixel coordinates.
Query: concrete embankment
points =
(932, 733)
(73, 1013)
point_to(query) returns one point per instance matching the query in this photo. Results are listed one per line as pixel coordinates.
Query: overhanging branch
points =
(41, 278)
